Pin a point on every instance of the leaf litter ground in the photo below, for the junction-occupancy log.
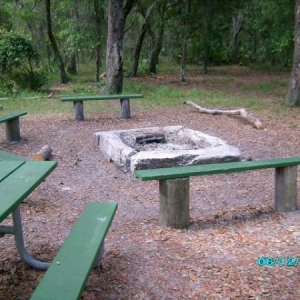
(233, 222)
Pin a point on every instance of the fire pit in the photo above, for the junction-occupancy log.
(161, 147)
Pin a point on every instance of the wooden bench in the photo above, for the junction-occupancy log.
(12, 125)
(124, 99)
(67, 275)
(174, 185)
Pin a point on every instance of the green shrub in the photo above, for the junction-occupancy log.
(18, 63)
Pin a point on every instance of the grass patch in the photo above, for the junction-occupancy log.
(221, 89)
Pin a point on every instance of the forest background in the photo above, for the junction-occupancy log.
(43, 41)
(220, 54)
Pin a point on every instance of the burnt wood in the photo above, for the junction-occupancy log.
(151, 138)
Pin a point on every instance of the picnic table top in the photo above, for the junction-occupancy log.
(18, 179)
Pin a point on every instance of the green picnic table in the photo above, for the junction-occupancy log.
(83, 249)
(17, 180)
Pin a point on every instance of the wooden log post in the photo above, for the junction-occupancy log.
(174, 202)
(78, 109)
(13, 130)
(125, 108)
(286, 189)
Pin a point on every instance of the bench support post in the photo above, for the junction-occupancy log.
(13, 130)
(125, 108)
(174, 202)
(78, 109)
(286, 189)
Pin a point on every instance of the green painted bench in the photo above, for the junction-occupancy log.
(124, 99)
(174, 185)
(9, 156)
(12, 125)
(67, 275)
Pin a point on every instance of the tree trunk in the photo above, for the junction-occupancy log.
(98, 63)
(127, 8)
(72, 61)
(183, 59)
(140, 40)
(157, 45)
(114, 56)
(293, 95)
(63, 74)
(185, 40)
(137, 50)
(206, 56)
(237, 26)
(72, 65)
(99, 14)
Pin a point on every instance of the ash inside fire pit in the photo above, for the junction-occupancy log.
(166, 139)
(151, 138)
(160, 147)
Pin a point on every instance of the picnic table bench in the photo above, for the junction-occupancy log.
(82, 250)
(174, 185)
(124, 100)
(12, 125)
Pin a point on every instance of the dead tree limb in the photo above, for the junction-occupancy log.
(241, 111)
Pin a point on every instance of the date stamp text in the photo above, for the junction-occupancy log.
(278, 261)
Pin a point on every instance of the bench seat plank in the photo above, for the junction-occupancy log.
(124, 100)
(13, 190)
(12, 116)
(101, 97)
(7, 167)
(67, 275)
(198, 170)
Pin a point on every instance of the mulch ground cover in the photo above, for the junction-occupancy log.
(233, 222)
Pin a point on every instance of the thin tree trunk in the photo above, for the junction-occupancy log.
(72, 60)
(157, 40)
(99, 17)
(293, 95)
(137, 50)
(98, 63)
(72, 64)
(237, 26)
(187, 10)
(157, 46)
(114, 56)
(183, 59)
(206, 56)
(140, 40)
(63, 74)
(127, 8)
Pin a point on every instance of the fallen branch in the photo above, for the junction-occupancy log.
(242, 112)
(43, 154)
